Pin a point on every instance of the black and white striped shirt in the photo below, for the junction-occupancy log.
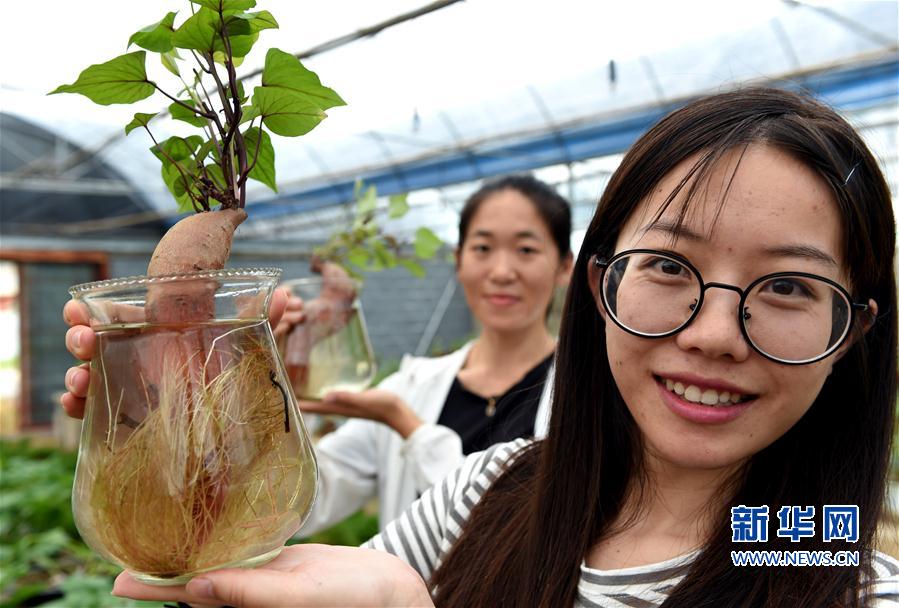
(425, 533)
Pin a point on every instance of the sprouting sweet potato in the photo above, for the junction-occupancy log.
(325, 315)
(198, 242)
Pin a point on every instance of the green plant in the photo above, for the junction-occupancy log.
(202, 171)
(365, 247)
(40, 549)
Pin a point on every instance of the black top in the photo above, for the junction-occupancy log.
(481, 422)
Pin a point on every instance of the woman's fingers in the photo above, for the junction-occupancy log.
(293, 314)
(77, 382)
(75, 313)
(78, 379)
(74, 406)
(277, 306)
(81, 342)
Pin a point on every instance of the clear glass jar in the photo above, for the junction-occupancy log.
(330, 350)
(193, 454)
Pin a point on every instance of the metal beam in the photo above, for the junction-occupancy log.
(66, 185)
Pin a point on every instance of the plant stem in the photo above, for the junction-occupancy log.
(181, 103)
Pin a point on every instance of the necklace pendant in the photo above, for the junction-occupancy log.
(491, 407)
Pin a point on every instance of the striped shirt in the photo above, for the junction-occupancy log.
(426, 532)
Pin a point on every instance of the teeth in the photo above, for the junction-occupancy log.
(708, 396)
(693, 394)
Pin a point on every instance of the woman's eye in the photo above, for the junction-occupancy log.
(788, 287)
(480, 248)
(527, 250)
(668, 267)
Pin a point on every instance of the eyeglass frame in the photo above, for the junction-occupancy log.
(604, 264)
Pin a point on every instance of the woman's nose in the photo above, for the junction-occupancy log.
(503, 267)
(715, 331)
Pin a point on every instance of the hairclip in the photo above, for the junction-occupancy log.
(851, 171)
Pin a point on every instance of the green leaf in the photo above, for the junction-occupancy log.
(249, 113)
(263, 20)
(240, 92)
(120, 80)
(198, 32)
(176, 184)
(385, 257)
(368, 202)
(177, 148)
(179, 112)
(219, 57)
(240, 47)
(359, 257)
(156, 37)
(141, 119)
(216, 175)
(426, 243)
(264, 169)
(413, 267)
(204, 150)
(398, 206)
(168, 61)
(226, 5)
(285, 71)
(285, 113)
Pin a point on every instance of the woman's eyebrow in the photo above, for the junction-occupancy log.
(673, 229)
(523, 234)
(807, 252)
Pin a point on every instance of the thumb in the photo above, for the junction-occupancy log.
(344, 397)
(242, 588)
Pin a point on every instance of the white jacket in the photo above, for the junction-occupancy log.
(363, 458)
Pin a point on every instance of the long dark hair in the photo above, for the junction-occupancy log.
(526, 538)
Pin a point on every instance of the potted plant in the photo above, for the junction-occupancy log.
(193, 455)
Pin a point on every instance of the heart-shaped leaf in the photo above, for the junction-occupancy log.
(426, 243)
(120, 80)
(141, 119)
(398, 206)
(156, 37)
(168, 61)
(285, 71)
(179, 112)
(264, 169)
(221, 6)
(286, 113)
(198, 32)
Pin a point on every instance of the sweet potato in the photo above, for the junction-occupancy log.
(196, 243)
(325, 315)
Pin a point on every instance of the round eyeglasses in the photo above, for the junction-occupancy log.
(788, 317)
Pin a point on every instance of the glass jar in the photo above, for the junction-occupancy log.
(193, 454)
(330, 350)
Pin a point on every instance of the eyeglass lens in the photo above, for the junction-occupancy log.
(791, 318)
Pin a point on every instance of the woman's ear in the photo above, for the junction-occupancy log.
(865, 322)
(593, 273)
(565, 266)
(457, 257)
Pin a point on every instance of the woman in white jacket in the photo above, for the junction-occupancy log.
(421, 421)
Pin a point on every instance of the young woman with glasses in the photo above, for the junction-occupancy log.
(728, 347)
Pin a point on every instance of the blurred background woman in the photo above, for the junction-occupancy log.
(421, 421)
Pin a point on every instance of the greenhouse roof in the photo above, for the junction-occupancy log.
(406, 130)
